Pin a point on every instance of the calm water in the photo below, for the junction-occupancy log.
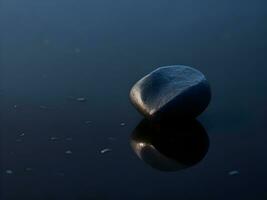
(55, 51)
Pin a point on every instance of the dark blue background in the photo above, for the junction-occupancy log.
(53, 51)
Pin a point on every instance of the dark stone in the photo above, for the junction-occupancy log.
(172, 91)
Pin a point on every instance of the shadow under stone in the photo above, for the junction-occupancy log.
(170, 146)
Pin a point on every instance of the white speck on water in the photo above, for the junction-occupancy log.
(22, 134)
(122, 124)
(81, 99)
(9, 171)
(68, 152)
(106, 150)
(53, 138)
(233, 172)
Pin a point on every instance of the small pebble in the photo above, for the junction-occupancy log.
(54, 138)
(81, 99)
(8, 171)
(234, 172)
(22, 134)
(171, 92)
(103, 151)
(68, 152)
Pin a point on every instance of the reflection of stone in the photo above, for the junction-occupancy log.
(170, 146)
(171, 91)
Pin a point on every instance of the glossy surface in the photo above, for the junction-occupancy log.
(53, 53)
(170, 145)
(175, 91)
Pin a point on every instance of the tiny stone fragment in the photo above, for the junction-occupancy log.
(9, 171)
(22, 134)
(53, 138)
(68, 152)
(106, 150)
(234, 172)
(81, 99)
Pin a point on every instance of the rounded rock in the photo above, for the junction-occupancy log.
(171, 91)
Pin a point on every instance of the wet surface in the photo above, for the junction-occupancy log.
(170, 145)
(66, 122)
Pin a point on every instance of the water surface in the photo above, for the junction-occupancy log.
(53, 52)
